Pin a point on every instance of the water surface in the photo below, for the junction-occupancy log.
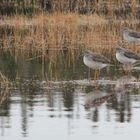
(62, 104)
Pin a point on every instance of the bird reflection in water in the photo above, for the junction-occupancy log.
(98, 97)
(123, 89)
(123, 85)
(118, 99)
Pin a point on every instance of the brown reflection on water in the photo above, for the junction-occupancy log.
(117, 99)
(68, 96)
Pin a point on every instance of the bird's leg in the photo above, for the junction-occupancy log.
(125, 68)
(89, 74)
(130, 69)
(98, 73)
(95, 75)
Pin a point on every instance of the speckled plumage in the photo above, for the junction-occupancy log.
(131, 36)
(126, 56)
(94, 60)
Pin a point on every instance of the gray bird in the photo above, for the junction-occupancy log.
(127, 57)
(95, 61)
(131, 36)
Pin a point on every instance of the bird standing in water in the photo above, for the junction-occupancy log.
(95, 61)
(127, 58)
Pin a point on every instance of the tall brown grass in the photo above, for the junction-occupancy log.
(55, 32)
(51, 33)
(65, 6)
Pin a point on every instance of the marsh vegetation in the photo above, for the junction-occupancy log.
(43, 78)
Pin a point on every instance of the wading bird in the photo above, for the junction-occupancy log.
(95, 61)
(127, 58)
(131, 36)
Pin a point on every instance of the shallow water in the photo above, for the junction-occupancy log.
(63, 104)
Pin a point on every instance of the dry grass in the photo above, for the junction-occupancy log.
(53, 32)
(50, 33)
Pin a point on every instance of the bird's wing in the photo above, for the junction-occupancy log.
(134, 34)
(131, 55)
(100, 58)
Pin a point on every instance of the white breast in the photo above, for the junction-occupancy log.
(131, 39)
(125, 60)
(92, 64)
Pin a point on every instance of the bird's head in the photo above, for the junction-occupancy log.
(125, 30)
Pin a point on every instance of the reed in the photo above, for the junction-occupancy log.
(55, 32)
(104, 7)
(46, 33)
